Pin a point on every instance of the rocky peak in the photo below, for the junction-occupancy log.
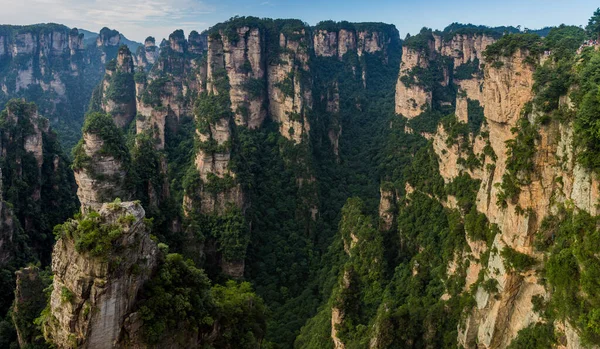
(118, 88)
(463, 48)
(108, 37)
(150, 42)
(198, 43)
(411, 97)
(101, 163)
(75, 41)
(96, 281)
(19, 112)
(124, 60)
(240, 52)
(30, 300)
(177, 41)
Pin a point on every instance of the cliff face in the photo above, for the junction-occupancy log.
(338, 42)
(101, 163)
(118, 89)
(241, 55)
(93, 289)
(505, 90)
(289, 82)
(48, 64)
(412, 98)
(35, 174)
(9, 230)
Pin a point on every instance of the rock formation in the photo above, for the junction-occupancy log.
(30, 300)
(101, 163)
(147, 54)
(289, 83)
(411, 97)
(95, 286)
(118, 89)
(50, 65)
(242, 57)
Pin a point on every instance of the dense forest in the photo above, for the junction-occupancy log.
(270, 184)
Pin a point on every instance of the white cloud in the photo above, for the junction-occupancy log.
(136, 19)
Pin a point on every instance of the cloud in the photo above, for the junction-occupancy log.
(134, 18)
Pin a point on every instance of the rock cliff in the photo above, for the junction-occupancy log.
(505, 90)
(289, 86)
(101, 163)
(241, 55)
(118, 89)
(96, 281)
(50, 65)
(412, 98)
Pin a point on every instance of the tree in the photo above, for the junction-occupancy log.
(593, 27)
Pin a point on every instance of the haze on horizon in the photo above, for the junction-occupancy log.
(137, 19)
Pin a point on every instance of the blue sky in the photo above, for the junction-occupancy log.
(140, 18)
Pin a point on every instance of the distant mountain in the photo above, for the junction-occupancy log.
(89, 37)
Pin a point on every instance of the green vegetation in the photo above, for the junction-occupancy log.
(179, 299)
(23, 176)
(508, 45)
(475, 116)
(468, 70)
(464, 188)
(419, 42)
(102, 126)
(520, 164)
(153, 92)
(593, 26)
(516, 261)
(93, 234)
(455, 29)
(588, 106)
(570, 240)
(536, 336)
(240, 316)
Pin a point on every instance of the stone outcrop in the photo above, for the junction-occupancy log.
(118, 89)
(242, 56)
(463, 48)
(93, 295)
(338, 42)
(9, 230)
(147, 54)
(387, 205)
(289, 87)
(411, 99)
(30, 300)
(103, 176)
(503, 90)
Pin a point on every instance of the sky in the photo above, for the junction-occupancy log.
(137, 19)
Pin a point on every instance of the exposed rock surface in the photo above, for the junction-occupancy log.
(92, 296)
(411, 100)
(102, 179)
(290, 96)
(118, 97)
(387, 205)
(30, 300)
(504, 90)
(243, 58)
